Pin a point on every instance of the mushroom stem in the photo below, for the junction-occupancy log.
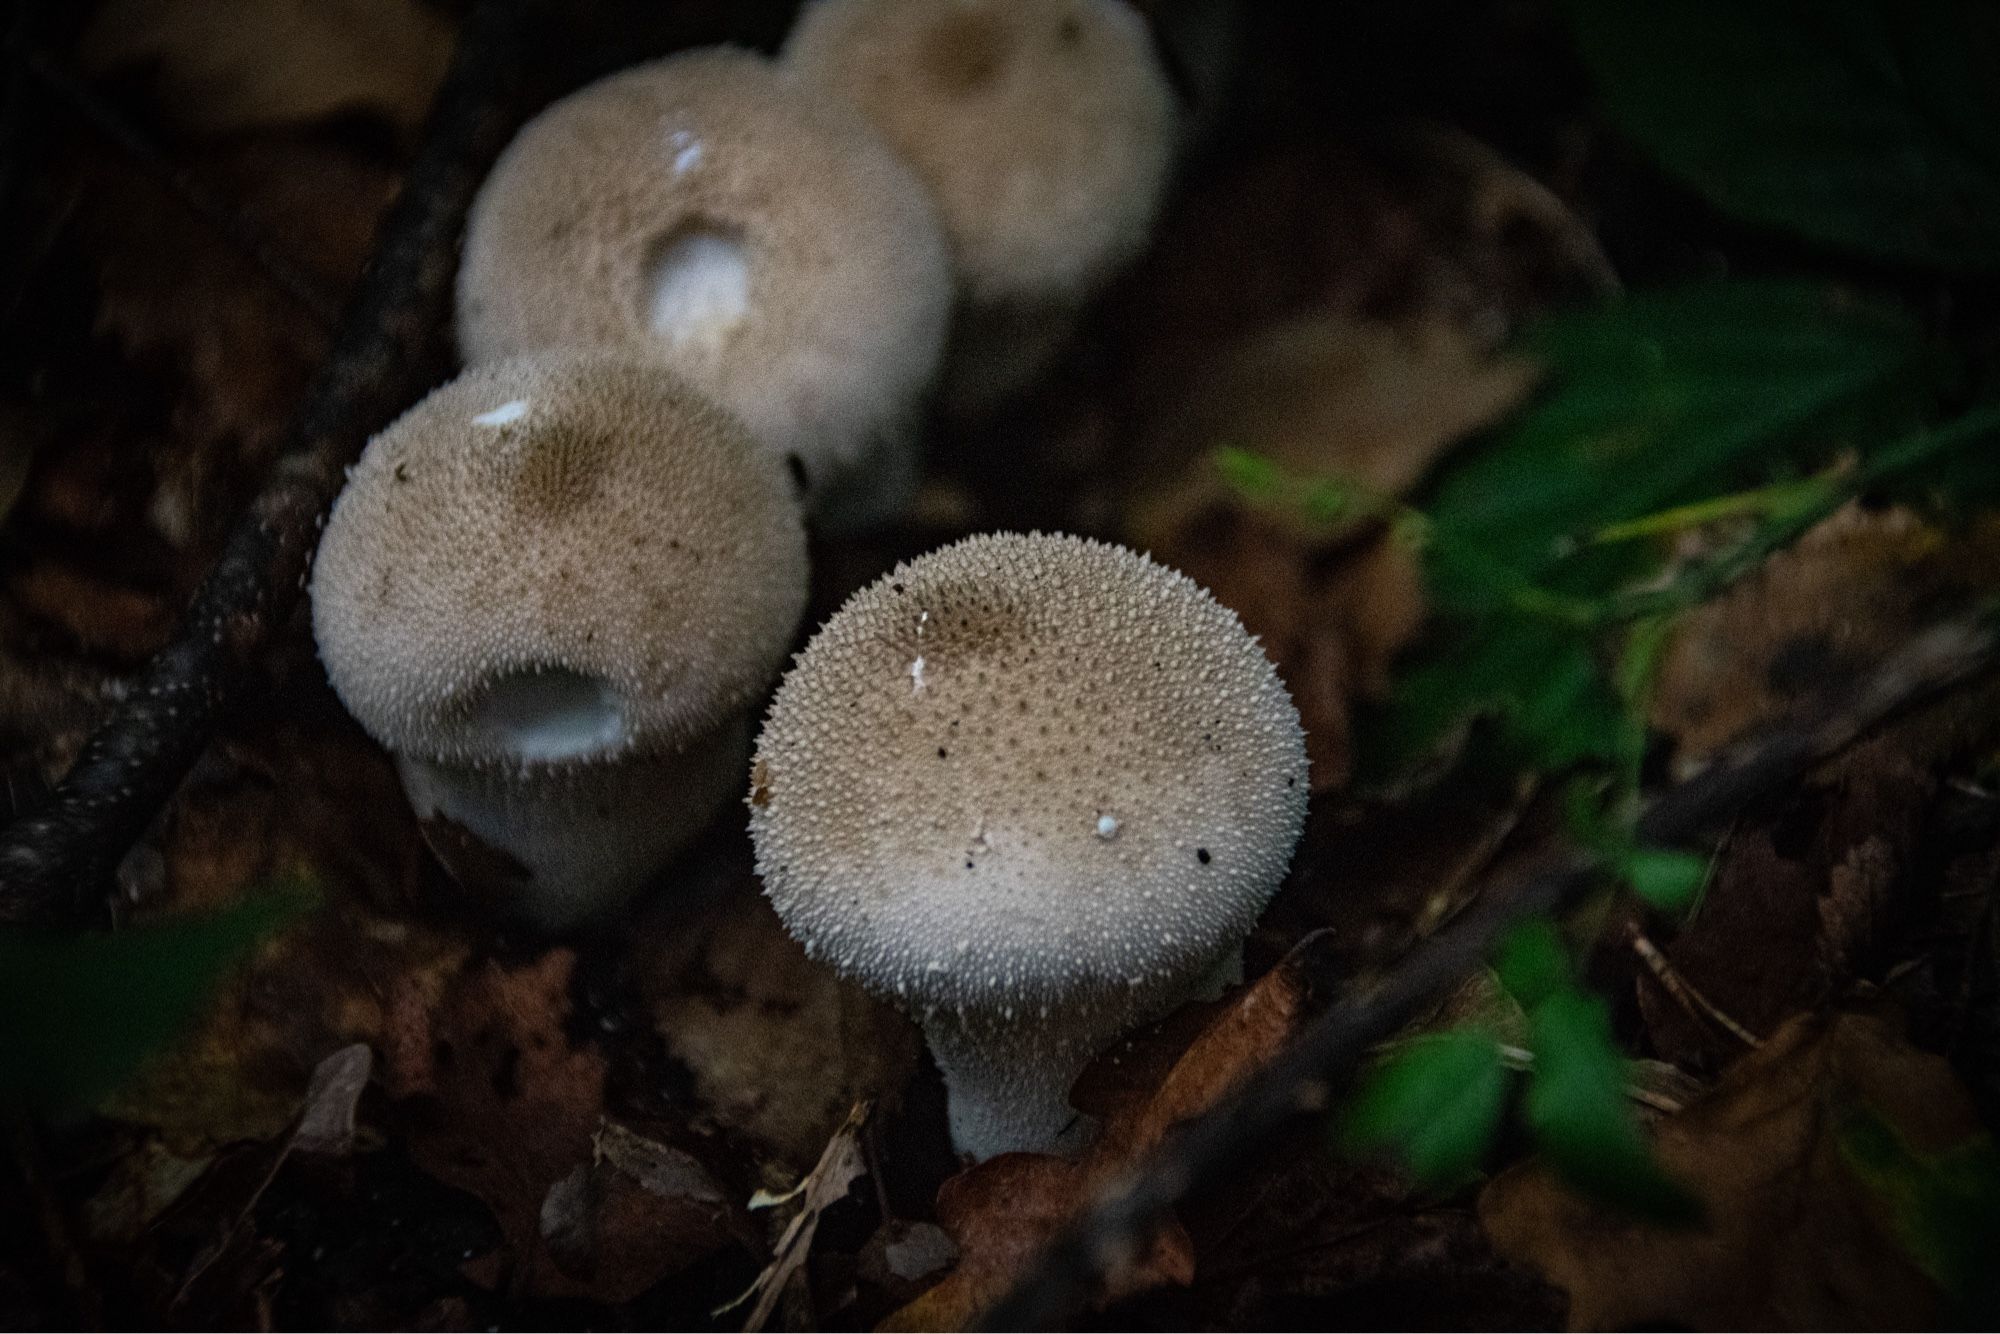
(558, 844)
(1008, 1084)
(1009, 1079)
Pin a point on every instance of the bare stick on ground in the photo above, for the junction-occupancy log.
(1304, 1079)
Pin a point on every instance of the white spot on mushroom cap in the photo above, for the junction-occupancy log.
(505, 415)
(688, 151)
(1107, 826)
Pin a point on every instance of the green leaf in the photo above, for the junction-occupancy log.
(1666, 879)
(1436, 1102)
(1946, 1209)
(1658, 400)
(1540, 681)
(80, 1011)
(1577, 1109)
(1532, 962)
(1870, 125)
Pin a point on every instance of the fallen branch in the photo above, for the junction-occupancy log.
(1305, 1079)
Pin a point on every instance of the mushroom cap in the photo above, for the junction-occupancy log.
(754, 235)
(1027, 771)
(557, 561)
(1045, 129)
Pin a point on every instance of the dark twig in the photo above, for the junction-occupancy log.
(389, 350)
(1304, 1079)
(241, 232)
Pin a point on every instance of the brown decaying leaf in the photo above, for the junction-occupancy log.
(639, 1212)
(780, 1048)
(1002, 1211)
(1809, 621)
(1804, 893)
(839, 1167)
(255, 63)
(495, 1029)
(494, 1098)
(1792, 1240)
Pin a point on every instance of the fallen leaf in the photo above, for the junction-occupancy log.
(839, 1167)
(1809, 622)
(255, 63)
(640, 1212)
(493, 1096)
(780, 1048)
(1003, 1211)
(1792, 1238)
(333, 1096)
(143, 1182)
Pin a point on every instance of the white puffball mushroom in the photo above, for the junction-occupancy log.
(555, 589)
(1036, 789)
(756, 237)
(1046, 130)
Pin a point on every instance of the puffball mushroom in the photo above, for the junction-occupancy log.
(554, 589)
(1046, 130)
(754, 236)
(1036, 789)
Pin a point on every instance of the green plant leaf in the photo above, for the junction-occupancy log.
(1435, 1102)
(80, 1011)
(1577, 1109)
(1658, 400)
(1946, 1209)
(1540, 681)
(1532, 963)
(1666, 879)
(1870, 125)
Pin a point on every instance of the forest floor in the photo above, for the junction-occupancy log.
(399, 1114)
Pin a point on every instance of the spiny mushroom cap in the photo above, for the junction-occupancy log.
(756, 236)
(557, 560)
(1044, 128)
(1024, 771)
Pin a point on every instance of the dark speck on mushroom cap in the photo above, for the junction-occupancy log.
(586, 520)
(977, 789)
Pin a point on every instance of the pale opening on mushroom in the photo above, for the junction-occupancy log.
(697, 284)
(552, 715)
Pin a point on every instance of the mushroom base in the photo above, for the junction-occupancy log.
(1008, 1080)
(556, 846)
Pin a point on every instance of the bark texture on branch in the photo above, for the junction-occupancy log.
(1304, 1080)
(392, 346)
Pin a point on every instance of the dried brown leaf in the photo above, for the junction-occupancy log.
(1792, 1239)
(640, 1212)
(839, 1167)
(780, 1048)
(1003, 1211)
(493, 1096)
(255, 63)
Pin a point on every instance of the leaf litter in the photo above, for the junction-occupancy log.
(472, 1128)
